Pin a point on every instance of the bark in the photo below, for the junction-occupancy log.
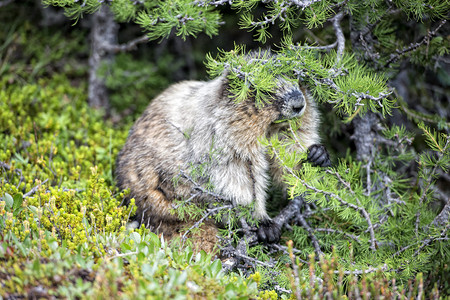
(444, 217)
(364, 135)
(103, 34)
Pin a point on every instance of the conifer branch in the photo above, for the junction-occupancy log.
(412, 47)
(430, 178)
(215, 3)
(361, 210)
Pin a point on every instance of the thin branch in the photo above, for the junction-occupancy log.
(210, 212)
(215, 3)
(384, 268)
(131, 45)
(340, 38)
(412, 47)
(326, 47)
(285, 251)
(330, 230)
(424, 242)
(34, 189)
(310, 231)
(200, 188)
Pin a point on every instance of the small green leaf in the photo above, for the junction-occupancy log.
(8, 200)
(18, 200)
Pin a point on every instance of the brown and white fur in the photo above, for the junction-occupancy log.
(185, 124)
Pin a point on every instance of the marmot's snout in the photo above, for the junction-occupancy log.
(294, 105)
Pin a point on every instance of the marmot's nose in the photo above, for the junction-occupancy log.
(297, 107)
(296, 101)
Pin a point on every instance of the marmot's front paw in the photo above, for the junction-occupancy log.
(268, 232)
(318, 155)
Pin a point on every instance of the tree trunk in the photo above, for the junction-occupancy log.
(103, 34)
(364, 135)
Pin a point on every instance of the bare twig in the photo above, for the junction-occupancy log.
(131, 45)
(209, 212)
(425, 242)
(200, 188)
(285, 251)
(34, 189)
(310, 231)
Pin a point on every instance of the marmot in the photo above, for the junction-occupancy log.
(192, 119)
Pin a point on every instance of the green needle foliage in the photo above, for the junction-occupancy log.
(349, 86)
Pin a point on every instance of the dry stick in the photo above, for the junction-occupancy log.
(34, 189)
(131, 45)
(310, 231)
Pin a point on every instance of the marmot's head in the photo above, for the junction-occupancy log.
(287, 101)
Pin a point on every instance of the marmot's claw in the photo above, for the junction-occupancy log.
(268, 232)
(318, 155)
